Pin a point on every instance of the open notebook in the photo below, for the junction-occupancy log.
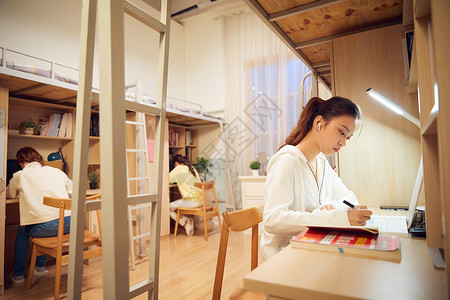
(395, 225)
(392, 225)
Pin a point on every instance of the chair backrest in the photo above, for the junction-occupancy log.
(207, 186)
(237, 221)
(66, 204)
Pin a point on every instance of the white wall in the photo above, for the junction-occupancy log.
(205, 61)
(50, 29)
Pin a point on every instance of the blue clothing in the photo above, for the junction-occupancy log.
(24, 233)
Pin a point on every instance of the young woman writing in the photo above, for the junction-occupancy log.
(31, 184)
(301, 187)
(185, 175)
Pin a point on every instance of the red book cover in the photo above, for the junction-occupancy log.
(358, 242)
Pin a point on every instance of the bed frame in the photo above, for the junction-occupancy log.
(30, 77)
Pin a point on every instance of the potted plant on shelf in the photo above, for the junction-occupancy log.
(255, 166)
(201, 164)
(28, 126)
(93, 178)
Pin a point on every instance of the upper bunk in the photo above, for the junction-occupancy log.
(307, 27)
(37, 79)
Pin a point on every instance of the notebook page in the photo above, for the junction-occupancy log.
(394, 225)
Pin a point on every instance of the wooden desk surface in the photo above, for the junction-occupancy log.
(307, 274)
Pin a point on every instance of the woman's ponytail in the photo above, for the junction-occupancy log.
(187, 163)
(304, 124)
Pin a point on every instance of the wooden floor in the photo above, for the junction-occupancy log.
(187, 270)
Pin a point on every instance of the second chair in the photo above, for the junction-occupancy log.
(55, 246)
(207, 211)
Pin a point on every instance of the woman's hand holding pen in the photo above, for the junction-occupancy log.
(359, 215)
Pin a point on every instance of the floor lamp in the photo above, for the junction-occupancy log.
(419, 178)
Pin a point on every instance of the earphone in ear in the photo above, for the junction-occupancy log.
(319, 127)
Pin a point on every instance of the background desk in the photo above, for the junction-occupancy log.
(307, 274)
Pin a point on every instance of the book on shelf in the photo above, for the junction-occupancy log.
(63, 125)
(44, 124)
(350, 240)
(189, 138)
(54, 126)
(95, 125)
(69, 126)
(173, 138)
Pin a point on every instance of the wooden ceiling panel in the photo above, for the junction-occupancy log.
(339, 18)
(327, 79)
(318, 53)
(276, 6)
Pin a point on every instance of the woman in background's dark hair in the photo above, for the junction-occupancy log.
(27, 155)
(183, 160)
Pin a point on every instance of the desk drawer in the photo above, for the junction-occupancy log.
(253, 189)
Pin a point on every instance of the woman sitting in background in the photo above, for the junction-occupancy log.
(185, 176)
(31, 184)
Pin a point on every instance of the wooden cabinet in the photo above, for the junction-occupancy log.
(183, 140)
(431, 43)
(252, 189)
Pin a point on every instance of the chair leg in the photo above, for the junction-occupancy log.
(32, 264)
(218, 218)
(206, 228)
(176, 224)
(57, 276)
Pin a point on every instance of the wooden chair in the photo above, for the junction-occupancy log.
(238, 221)
(207, 211)
(56, 245)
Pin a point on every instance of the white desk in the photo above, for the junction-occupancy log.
(307, 274)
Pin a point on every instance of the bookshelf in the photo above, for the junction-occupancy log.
(183, 140)
(19, 110)
(431, 46)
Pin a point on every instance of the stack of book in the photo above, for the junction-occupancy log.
(56, 125)
(352, 240)
(173, 137)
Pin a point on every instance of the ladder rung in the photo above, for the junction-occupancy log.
(138, 178)
(139, 107)
(143, 17)
(145, 198)
(136, 237)
(143, 205)
(141, 287)
(136, 150)
(91, 205)
(134, 123)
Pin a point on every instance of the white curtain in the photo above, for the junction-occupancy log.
(263, 93)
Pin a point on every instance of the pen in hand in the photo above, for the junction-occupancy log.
(350, 204)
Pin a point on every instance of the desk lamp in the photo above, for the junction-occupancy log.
(419, 178)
